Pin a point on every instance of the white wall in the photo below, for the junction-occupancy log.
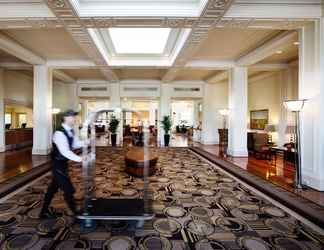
(265, 93)
(18, 88)
(215, 98)
(65, 96)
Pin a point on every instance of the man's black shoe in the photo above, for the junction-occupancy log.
(47, 214)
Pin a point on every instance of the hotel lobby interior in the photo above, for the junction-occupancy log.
(199, 124)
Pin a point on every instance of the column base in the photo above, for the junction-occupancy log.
(37, 151)
(313, 182)
(237, 153)
(209, 142)
(2, 149)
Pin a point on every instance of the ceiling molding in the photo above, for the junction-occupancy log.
(64, 11)
(12, 47)
(111, 22)
(210, 64)
(269, 67)
(70, 64)
(213, 12)
(16, 66)
(292, 9)
(219, 77)
(267, 49)
(62, 76)
(260, 76)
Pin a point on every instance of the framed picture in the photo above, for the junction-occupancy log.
(259, 119)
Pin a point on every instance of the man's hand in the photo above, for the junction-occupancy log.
(85, 158)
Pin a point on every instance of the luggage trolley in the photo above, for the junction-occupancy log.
(109, 209)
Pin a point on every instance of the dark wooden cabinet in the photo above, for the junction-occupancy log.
(18, 138)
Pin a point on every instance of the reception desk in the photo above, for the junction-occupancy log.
(18, 138)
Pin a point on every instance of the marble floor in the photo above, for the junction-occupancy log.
(196, 205)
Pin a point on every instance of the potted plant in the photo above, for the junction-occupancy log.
(113, 125)
(166, 125)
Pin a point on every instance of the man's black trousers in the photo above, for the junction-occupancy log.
(60, 180)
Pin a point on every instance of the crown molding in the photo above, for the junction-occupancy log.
(64, 11)
(213, 12)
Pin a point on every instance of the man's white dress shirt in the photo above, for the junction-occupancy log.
(62, 143)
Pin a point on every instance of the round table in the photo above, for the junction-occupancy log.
(135, 161)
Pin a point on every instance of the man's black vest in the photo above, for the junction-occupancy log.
(56, 155)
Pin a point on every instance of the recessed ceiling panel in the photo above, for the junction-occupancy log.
(140, 8)
(139, 46)
(49, 44)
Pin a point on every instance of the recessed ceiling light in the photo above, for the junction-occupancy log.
(279, 52)
(296, 43)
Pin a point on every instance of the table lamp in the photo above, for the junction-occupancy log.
(270, 128)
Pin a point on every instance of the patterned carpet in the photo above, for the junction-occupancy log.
(196, 207)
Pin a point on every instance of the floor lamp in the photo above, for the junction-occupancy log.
(296, 106)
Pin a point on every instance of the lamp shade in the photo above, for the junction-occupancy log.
(55, 111)
(270, 128)
(294, 105)
(290, 129)
(224, 112)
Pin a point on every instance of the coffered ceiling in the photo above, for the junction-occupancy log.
(219, 32)
(49, 44)
(230, 43)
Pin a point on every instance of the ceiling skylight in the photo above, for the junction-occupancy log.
(139, 46)
(139, 40)
(139, 8)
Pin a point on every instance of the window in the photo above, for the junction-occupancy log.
(22, 119)
(8, 118)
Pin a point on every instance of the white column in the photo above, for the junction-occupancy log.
(238, 106)
(288, 85)
(152, 111)
(42, 111)
(115, 103)
(115, 95)
(2, 113)
(311, 87)
(283, 95)
(215, 98)
(165, 109)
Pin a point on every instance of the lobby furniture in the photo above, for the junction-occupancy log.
(18, 138)
(100, 129)
(288, 154)
(259, 146)
(135, 161)
(223, 140)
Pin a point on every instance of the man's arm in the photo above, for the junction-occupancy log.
(62, 144)
(77, 143)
